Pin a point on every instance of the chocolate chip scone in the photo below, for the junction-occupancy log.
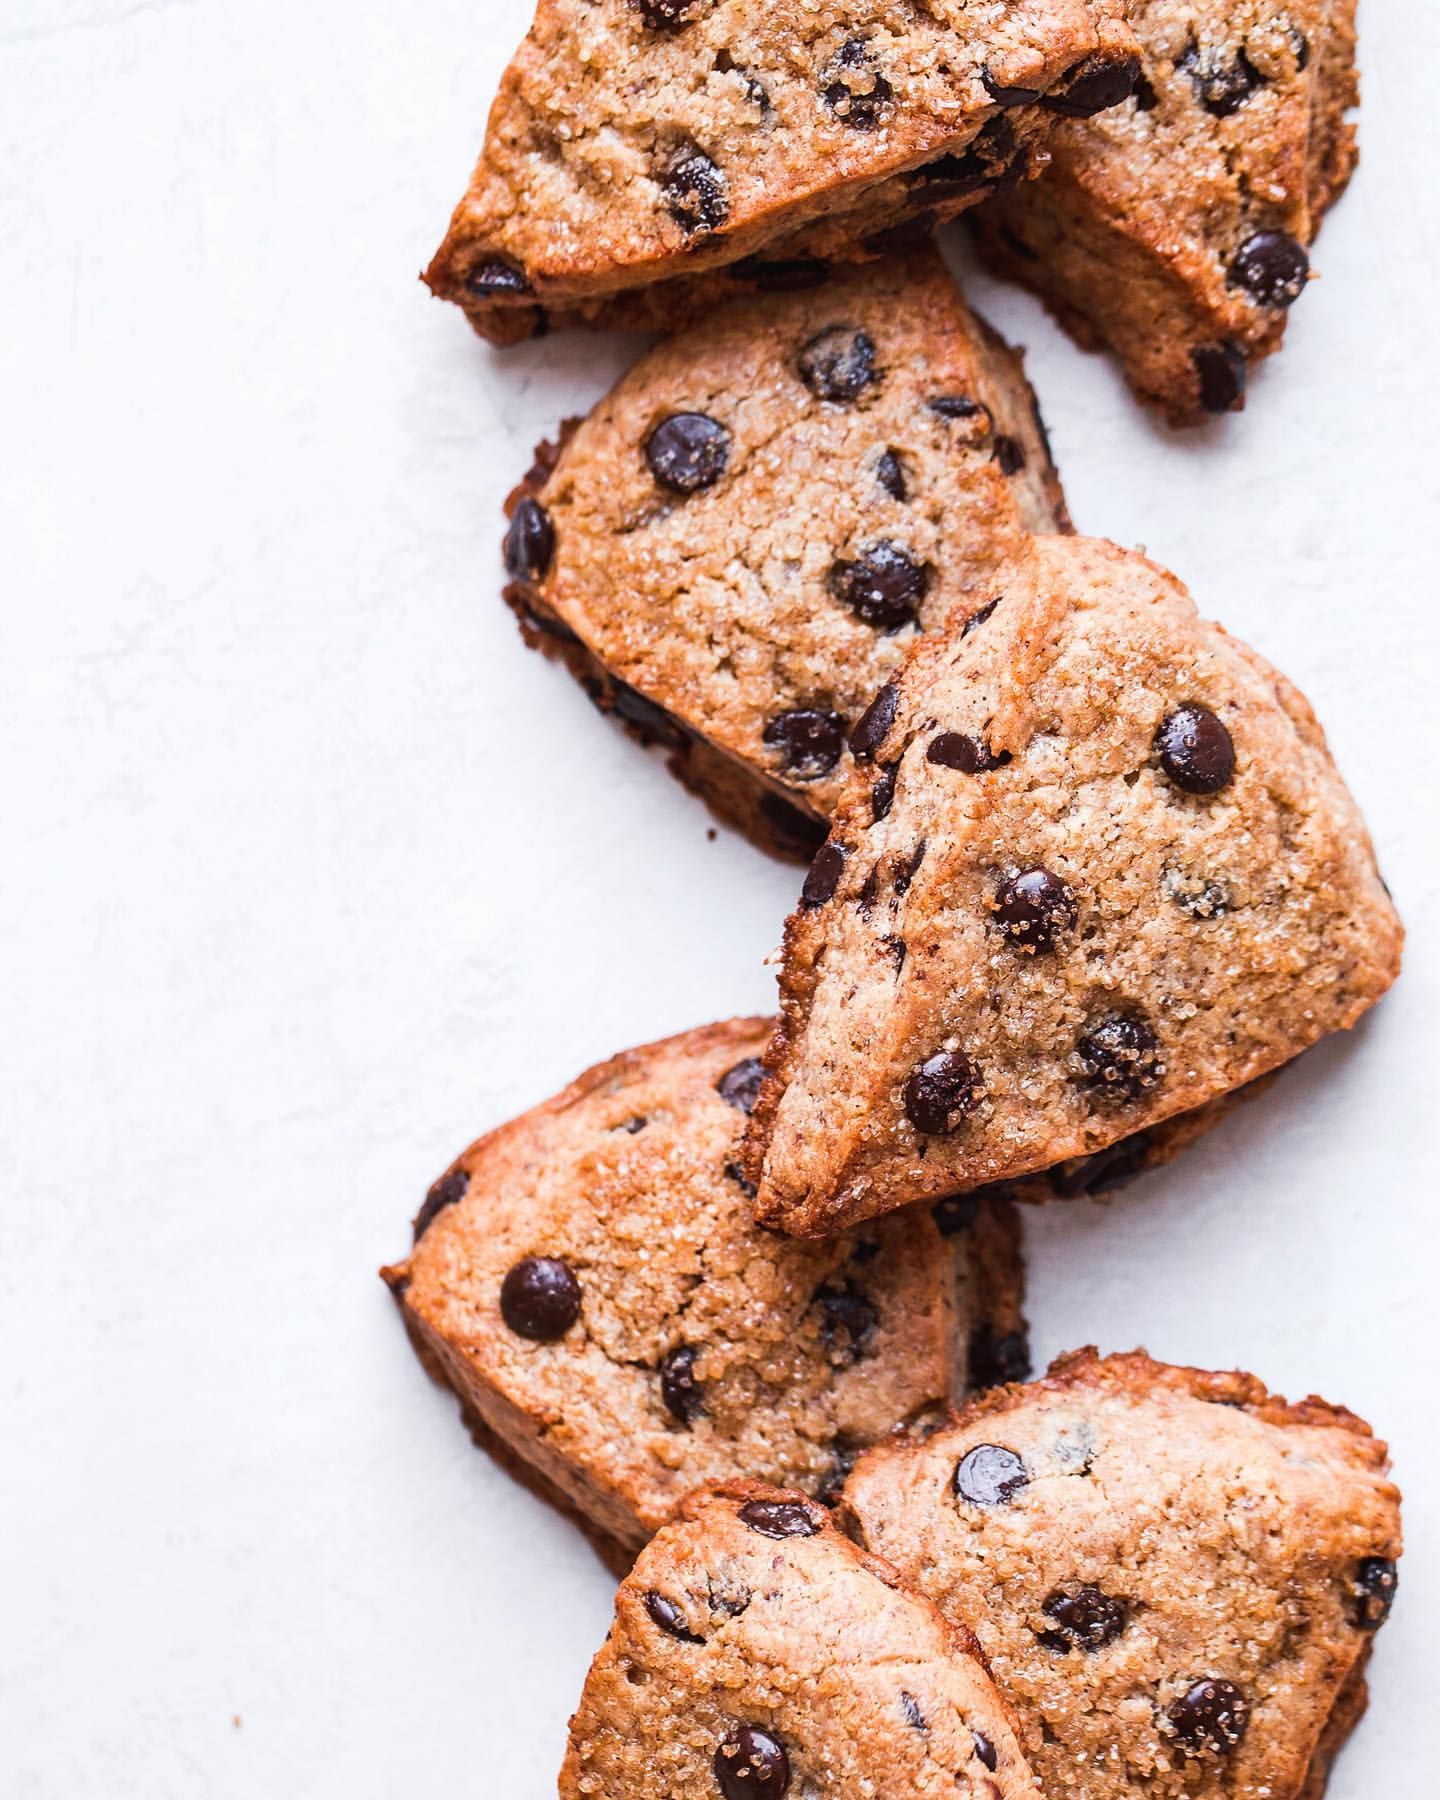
(591, 1282)
(742, 541)
(757, 1653)
(1102, 871)
(636, 140)
(1175, 1576)
(1175, 228)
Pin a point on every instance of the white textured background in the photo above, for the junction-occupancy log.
(308, 873)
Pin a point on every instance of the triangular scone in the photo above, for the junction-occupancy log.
(1103, 871)
(756, 1653)
(591, 1282)
(1176, 227)
(741, 542)
(1175, 1576)
(633, 140)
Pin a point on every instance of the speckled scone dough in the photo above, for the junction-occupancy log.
(589, 1279)
(756, 1653)
(1102, 871)
(634, 140)
(742, 541)
(1175, 227)
(1175, 1576)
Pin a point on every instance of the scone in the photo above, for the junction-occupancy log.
(590, 1281)
(637, 140)
(1102, 872)
(1175, 1576)
(757, 1653)
(742, 541)
(1175, 228)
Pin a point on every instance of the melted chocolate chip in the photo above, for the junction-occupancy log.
(1008, 96)
(1008, 455)
(687, 452)
(1085, 1620)
(857, 96)
(1211, 1716)
(873, 725)
(694, 193)
(540, 1299)
(1221, 370)
(970, 755)
(793, 827)
(910, 1711)
(883, 586)
(838, 363)
(890, 473)
(783, 275)
(739, 1086)
(1373, 1592)
(530, 542)
(449, 1189)
(1093, 86)
(882, 795)
(1222, 85)
(779, 1518)
(1120, 1056)
(941, 1091)
(961, 406)
(668, 1616)
(1105, 1171)
(906, 871)
(495, 277)
(984, 1750)
(990, 1475)
(997, 1358)
(1195, 750)
(683, 1395)
(847, 1321)
(955, 1213)
(952, 177)
(650, 720)
(809, 741)
(1032, 907)
(1272, 267)
(824, 876)
(979, 618)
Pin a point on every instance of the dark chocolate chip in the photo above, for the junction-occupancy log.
(1094, 85)
(695, 194)
(941, 1091)
(733, 1172)
(1211, 1716)
(1032, 907)
(997, 1358)
(633, 1125)
(1197, 899)
(449, 1189)
(1105, 1170)
(979, 618)
(663, 15)
(1195, 749)
(1373, 1592)
(755, 89)
(843, 1457)
(1008, 96)
(1146, 99)
(953, 177)
(890, 473)
(984, 1750)
(960, 406)
(530, 542)
(779, 1518)
(752, 1765)
(847, 1321)
(739, 1086)
(955, 1213)
(1221, 370)
(990, 1475)
(668, 1616)
(908, 234)
(1085, 1620)
(783, 275)
(838, 363)
(545, 623)
(854, 92)
(683, 1395)
(687, 452)
(1009, 455)
(809, 741)
(796, 829)
(1120, 1056)
(1272, 267)
(883, 586)
(882, 795)
(970, 755)
(1221, 86)
(540, 1298)
(824, 876)
(906, 871)
(873, 725)
(649, 719)
(497, 277)
(911, 1712)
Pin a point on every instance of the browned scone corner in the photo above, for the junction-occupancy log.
(756, 1652)
(1100, 872)
(1175, 228)
(743, 540)
(590, 1280)
(1175, 1576)
(633, 141)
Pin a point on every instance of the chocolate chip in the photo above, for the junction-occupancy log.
(898, 948)
(779, 1518)
(906, 871)
(1195, 749)
(809, 741)
(540, 1299)
(739, 1086)
(632, 1126)
(853, 91)
(873, 725)
(970, 755)
(843, 1457)
(449, 1189)
(984, 1749)
(650, 720)
(1009, 455)
(796, 829)
(1104, 1171)
(664, 14)
(890, 473)
(687, 452)
(997, 1358)
(1032, 907)
(1222, 87)
(911, 1712)
(752, 1765)
(847, 1321)
(733, 1172)
(755, 89)
(952, 177)
(783, 275)
(543, 622)
(1196, 898)
(668, 1616)
(694, 193)
(838, 363)
(1221, 370)
(883, 586)
(530, 542)
(1092, 86)
(882, 795)
(990, 1475)
(1373, 1592)
(979, 618)
(960, 406)
(1146, 99)
(909, 234)
(955, 1213)
(1085, 1620)
(941, 1091)
(1008, 96)
(1272, 267)
(1120, 1056)
(824, 876)
(1211, 1716)
(683, 1395)
(497, 277)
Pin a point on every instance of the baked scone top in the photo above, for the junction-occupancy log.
(757, 1654)
(1175, 1576)
(1102, 871)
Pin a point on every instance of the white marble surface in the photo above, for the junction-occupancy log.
(310, 872)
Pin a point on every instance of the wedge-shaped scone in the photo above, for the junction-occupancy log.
(590, 1281)
(756, 1653)
(742, 541)
(1175, 228)
(1103, 871)
(1176, 1577)
(635, 140)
